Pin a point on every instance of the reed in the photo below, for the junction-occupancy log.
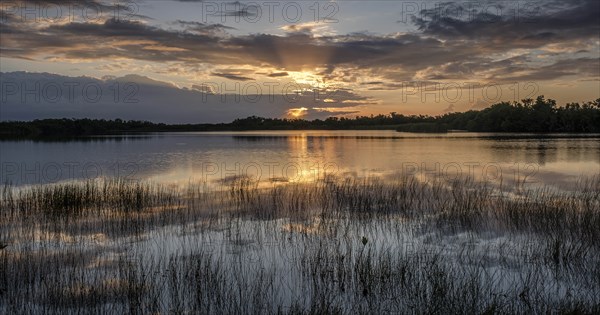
(339, 246)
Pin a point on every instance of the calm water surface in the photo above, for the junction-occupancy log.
(284, 249)
(291, 156)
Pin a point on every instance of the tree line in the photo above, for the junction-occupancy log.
(538, 116)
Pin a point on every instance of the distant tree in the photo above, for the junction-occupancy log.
(539, 115)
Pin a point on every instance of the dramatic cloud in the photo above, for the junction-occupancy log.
(232, 76)
(481, 41)
(27, 96)
(515, 24)
(203, 28)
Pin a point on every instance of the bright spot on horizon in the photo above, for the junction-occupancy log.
(297, 112)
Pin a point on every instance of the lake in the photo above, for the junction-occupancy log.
(298, 222)
(292, 156)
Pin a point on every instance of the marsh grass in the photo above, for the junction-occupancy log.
(339, 246)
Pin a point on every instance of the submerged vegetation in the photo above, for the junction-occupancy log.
(343, 246)
(529, 115)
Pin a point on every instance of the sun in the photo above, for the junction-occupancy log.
(306, 77)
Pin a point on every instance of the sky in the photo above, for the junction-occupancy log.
(211, 61)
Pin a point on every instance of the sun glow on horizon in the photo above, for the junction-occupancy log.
(297, 112)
